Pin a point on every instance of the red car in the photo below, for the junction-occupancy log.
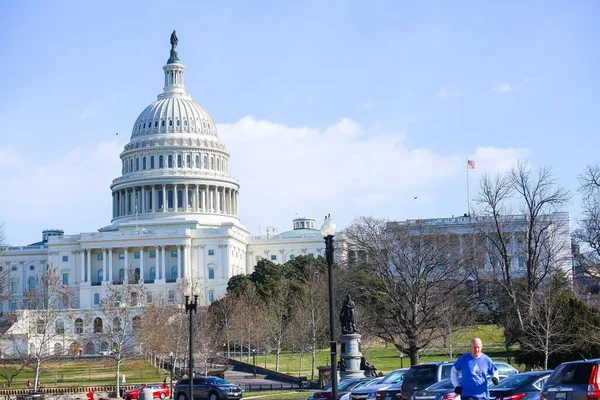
(157, 391)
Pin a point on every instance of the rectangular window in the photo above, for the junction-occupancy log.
(121, 256)
(152, 254)
(13, 287)
(65, 278)
(96, 298)
(100, 257)
(65, 258)
(136, 256)
(174, 254)
(211, 273)
(521, 261)
(211, 252)
(211, 296)
(273, 257)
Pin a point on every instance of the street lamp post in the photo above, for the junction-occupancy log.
(171, 381)
(191, 305)
(328, 232)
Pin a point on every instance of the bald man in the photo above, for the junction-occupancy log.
(475, 367)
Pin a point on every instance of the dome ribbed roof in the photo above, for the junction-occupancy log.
(174, 115)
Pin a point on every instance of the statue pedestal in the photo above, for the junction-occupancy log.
(351, 355)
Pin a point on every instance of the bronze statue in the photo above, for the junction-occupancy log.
(174, 39)
(347, 318)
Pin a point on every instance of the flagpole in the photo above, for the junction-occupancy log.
(468, 200)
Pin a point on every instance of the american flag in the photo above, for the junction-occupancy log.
(471, 164)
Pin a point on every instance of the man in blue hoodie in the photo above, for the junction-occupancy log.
(474, 368)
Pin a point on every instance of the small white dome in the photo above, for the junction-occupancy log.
(174, 115)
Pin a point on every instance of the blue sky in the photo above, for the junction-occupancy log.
(343, 107)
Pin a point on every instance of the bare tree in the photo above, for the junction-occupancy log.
(46, 312)
(548, 328)
(409, 271)
(221, 313)
(588, 234)
(121, 307)
(522, 249)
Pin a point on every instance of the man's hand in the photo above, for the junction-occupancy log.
(458, 390)
(495, 380)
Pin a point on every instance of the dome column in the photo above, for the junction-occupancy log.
(185, 199)
(153, 198)
(164, 198)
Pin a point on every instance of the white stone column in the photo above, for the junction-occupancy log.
(162, 270)
(110, 266)
(82, 266)
(157, 262)
(179, 272)
(197, 198)
(204, 189)
(142, 264)
(165, 198)
(143, 210)
(89, 264)
(125, 263)
(104, 271)
(224, 266)
(187, 258)
(153, 199)
(185, 198)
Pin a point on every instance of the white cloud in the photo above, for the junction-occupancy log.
(498, 160)
(449, 91)
(341, 169)
(503, 88)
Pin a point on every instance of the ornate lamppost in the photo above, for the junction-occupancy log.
(191, 305)
(328, 232)
(171, 381)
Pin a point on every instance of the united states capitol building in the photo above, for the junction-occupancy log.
(174, 218)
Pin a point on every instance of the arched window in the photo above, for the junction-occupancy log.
(174, 272)
(136, 323)
(185, 123)
(79, 326)
(144, 163)
(90, 348)
(188, 161)
(170, 199)
(197, 161)
(179, 198)
(59, 327)
(100, 275)
(292, 257)
(162, 123)
(161, 162)
(104, 346)
(116, 324)
(178, 123)
(98, 325)
(151, 162)
(170, 122)
(160, 200)
(31, 283)
(212, 163)
(205, 163)
(152, 274)
(170, 161)
(179, 162)
(131, 165)
(137, 164)
(155, 124)
(122, 274)
(189, 198)
(74, 348)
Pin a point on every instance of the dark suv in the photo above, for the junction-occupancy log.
(423, 375)
(207, 387)
(573, 380)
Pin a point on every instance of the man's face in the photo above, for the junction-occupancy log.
(476, 347)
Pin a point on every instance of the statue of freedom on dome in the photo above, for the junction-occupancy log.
(174, 39)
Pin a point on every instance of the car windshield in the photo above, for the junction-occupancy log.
(423, 374)
(216, 381)
(574, 374)
(513, 381)
(343, 385)
(139, 387)
(442, 385)
(393, 377)
(369, 383)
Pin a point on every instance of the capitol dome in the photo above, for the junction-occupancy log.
(174, 165)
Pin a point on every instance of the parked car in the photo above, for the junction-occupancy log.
(443, 390)
(158, 390)
(372, 381)
(369, 392)
(344, 386)
(207, 387)
(573, 380)
(523, 386)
